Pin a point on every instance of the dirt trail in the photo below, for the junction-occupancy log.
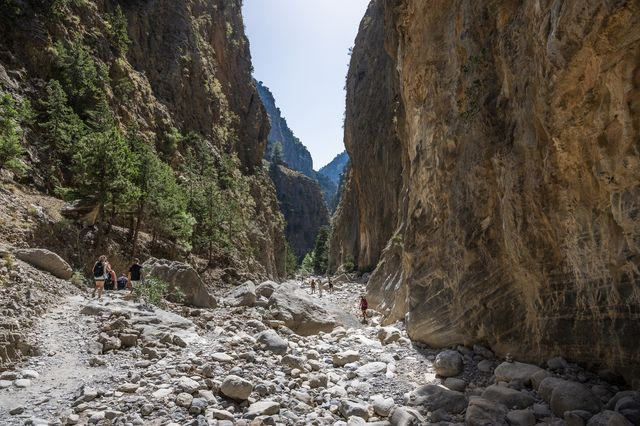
(61, 364)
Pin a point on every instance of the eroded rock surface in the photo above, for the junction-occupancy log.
(508, 163)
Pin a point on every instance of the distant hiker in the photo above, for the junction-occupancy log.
(320, 288)
(313, 286)
(135, 274)
(123, 281)
(330, 286)
(364, 305)
(99, 275)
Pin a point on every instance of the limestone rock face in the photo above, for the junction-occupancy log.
(303, 208)
(507, 194)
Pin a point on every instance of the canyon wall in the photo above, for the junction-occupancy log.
(178, 72)
(302, 204)
(516, 216)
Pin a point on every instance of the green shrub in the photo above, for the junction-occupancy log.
(12, 116)
(156, 292)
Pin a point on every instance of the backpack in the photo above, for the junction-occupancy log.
(98, 270)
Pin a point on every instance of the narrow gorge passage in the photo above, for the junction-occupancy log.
(444, 231)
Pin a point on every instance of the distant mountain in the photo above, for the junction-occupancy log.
(294, 153)
(334, 169)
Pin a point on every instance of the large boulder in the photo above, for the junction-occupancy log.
(46, 260)
(271, 341)
(243, 295)
(511, 398)
(434, 397)
(482, 412)
(520, 371)
(266, 289)
(235, 387)
(299, 312)
(570, 396)
(183, 277)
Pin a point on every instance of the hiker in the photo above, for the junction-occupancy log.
(123, 281)
(110, 278)
(320, 287)
(364, 305)
(99, 275)
(135, 275)
(330, 286)
(313, 286)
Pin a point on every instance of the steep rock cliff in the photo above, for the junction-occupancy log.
(185, 74)
(294, 153)
(519, 219)
(366, 215)
(333, 170)
(303, 208)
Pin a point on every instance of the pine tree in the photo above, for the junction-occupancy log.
(118, 32)
(63, 130)
(11, 134)
(321, 251)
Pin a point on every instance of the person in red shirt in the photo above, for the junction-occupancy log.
(364, 305)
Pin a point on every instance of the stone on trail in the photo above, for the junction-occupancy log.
(434, 397)
(482, 412)
(609, 418)
(188, 385)
(162, 393)
(184, 399)
(349, 407)
(510, 398)
(243, 295)
(262, 408)
(22, 383)
(236, 387)
(483, 351)
(266, 289)
(508, 371)
(521, 418)
(406, 416)
(371, 369)
(569, 396)
(45, 260)
(546, 387)
(183, 277)
(271, 341)
(128, 387)
(448, 363)
(455, 384)
(485, 366)
(340, 359)
(388, 335)
(382, 406)
(29, 374)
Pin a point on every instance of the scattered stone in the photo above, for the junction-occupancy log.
(128, 387)
(29, 374)
(483, 351)
(521, 418)
(45, 260)
(16, 410)
(481, 412)
(508, 371)
(340, 359)
(433, 397)
(262, 408)
(609, 418)
(184, 400)
(388, 335)
(22, 383)
(236, 387)
(448, 363)
(371, 369)
(511, 398)
(569, 396)
(349, 407)
(271, 341)
(455, 384)
(188, 385)
(382, 406)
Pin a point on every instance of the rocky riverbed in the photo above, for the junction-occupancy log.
(120, 361)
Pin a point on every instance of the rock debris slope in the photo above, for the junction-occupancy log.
(510, 170)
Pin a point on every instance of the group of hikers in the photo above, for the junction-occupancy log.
(319, 285)
(105, 277)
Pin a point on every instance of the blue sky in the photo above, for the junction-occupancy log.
(300, 51)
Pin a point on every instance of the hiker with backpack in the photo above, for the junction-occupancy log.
(330, 285)
(111, 277)
(123, 281)
(313, 286)
(135, 275)
(99, 275)
(364, 305)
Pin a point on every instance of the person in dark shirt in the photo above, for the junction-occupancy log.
(135, 274)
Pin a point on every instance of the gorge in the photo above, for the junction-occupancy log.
(487, 206)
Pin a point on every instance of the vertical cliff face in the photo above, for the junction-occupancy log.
(519, 222)
(176, 71)
(294, 153)
(366, 215)
(333, 170)
(303, 207)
